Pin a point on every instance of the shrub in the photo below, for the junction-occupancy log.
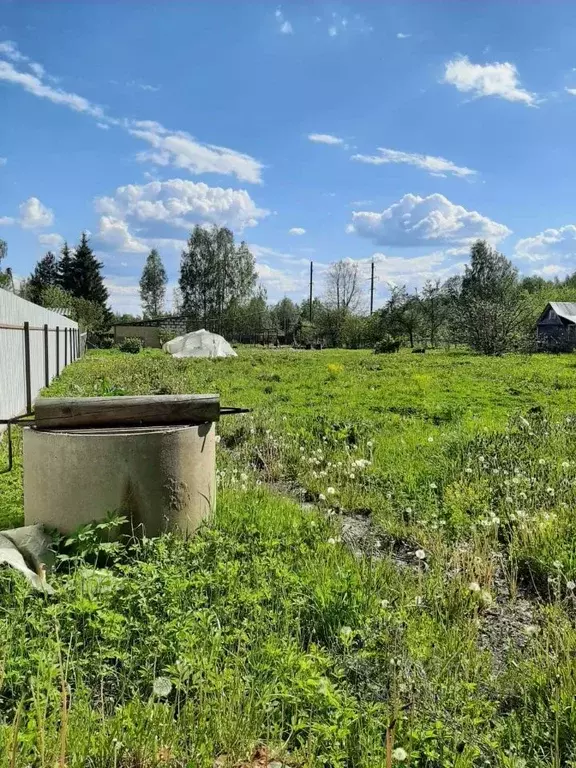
(386, 345)
(131, 344)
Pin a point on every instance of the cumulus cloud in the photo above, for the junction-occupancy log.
(433, 220)
(52, 240)
(7, 221)
(297, 231)
(571, 91)
(168, 147)
(182, 203)
(437, 166)
(124, 295)
(115, 233)
(551, 243)
(33, 214)
(496, 79)
(326, 138)
(403, 35)
(279, 280)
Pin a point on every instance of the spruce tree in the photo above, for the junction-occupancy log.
(45, 275)
(87, 279)
(66, 269)
(153, 285)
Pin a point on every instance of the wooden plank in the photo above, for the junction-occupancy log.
(153, 410)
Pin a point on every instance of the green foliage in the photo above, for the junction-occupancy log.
(81, 274)
(386, 345)
(45, 275)
(445, 629)
(89, 314)
(131, 344)
(153, 285)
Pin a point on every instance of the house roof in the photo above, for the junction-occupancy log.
(565, 309)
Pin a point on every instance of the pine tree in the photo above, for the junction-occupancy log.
(87, 280)
(153, 285)
(66, 269)
(45, 275)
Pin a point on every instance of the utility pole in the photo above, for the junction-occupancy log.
(372, 289)
(311, 276)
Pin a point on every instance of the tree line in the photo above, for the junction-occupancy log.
(490, 307)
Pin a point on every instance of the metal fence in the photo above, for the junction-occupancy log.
(36, 344)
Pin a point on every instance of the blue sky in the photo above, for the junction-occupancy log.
(393, 132)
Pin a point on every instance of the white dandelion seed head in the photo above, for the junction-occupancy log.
(420, 554)
(571, 586)
(474, 586)
(162, 686)
(330, 491)
(400, 755)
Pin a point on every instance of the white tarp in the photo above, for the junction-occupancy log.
(199, 344)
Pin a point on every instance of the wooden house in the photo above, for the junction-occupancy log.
(557, 327)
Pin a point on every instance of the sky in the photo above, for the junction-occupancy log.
(398, 133)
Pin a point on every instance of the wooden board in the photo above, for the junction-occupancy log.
(85, 412)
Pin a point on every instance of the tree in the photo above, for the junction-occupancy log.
(5, 275)
(45, 274)
(491, 314)
(285, 315)
(90, 315)
(434, 308)
(343, 289)
(66, 277)
(401, 314)
(87, 279)
(153, 285)
(214, 274)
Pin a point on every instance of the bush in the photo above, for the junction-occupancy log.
(131, 344)
(386, 345)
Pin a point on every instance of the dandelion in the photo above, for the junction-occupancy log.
(384, 603)
(352, 476)
(509, 500)
(408, 510)
(468, 470)
(474, 586)
(430, 439)
(420, 554)
(162, 687)
(346, 633)
(252, 431)
(571, 586)
(531, 630)
(218, 438)
(481, 459)
(418, 600)
(370, 443)
(322, 497)
(400, 754)
(550, 491)
(433, 486)
(541, 461)
(331, 540)
(302, 449)
(243, 477)
(330, 491)
(557, 564)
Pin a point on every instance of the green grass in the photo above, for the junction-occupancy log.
(276, 634)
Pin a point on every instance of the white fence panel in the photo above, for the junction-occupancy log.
(62, 347)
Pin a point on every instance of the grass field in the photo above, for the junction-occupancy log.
(389, 577)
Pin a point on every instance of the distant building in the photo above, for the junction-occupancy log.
(557, 327)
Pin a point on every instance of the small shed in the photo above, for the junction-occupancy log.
(557, 327)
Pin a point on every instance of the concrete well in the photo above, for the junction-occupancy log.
(161, 478)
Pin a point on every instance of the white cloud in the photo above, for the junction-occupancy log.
(265, 254)
(103, 126)
(9, 49)
(437, 166)
(284, 26)
(124, 295)
(52, 240)
(551, 243)
(497, 79)
(182, 203)
(176, 148)
(278, 279)
(143, 86)
(403, 35)
(360, 203)
(7, 221)
(181, 150)
(432, 220)
(33, 214)
(571, 91)
(115, 233)
(326, 138)
(3, 161)
(552, 270)
(34, 85)
(332, 31)
(297, 231)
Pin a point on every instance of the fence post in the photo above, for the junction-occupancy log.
(65, 346)
(57, 350)
(27, 372)
(46, 357)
